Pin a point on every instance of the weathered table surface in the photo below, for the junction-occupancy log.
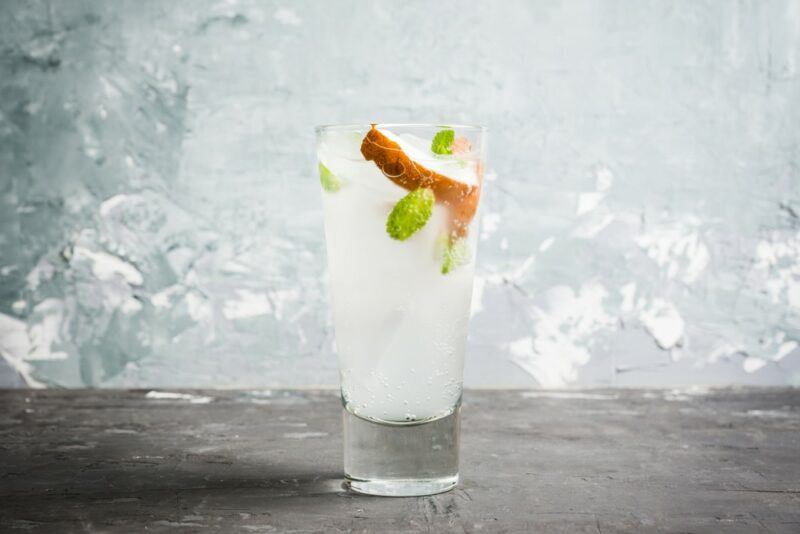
(266, 461)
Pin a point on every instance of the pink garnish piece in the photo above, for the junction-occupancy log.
(461, 146)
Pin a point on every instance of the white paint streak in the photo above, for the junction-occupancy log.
(490, 222)
(131, 306)
(163, 299)
(547, 243)
(562, 333)
(676, 395)
(478, 286)
(247, 304)
(723, 349)
(769, 414)
(567, 395)
(778, 266)
(171, 395)
(595, 224)
(588, 202)
(519, 273)
(234, 267)
(682, 394)
(751, 364)
(603, 178)
(111, 203)
(664, 323)
(45, 331)
(677, 248)
(14, 348)
(106, 266)
(199, 308)
(784, 350)
(281, 298)
(305, 435)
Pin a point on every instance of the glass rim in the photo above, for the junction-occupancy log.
(362, 126)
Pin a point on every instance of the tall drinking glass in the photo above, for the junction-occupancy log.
(400, 226)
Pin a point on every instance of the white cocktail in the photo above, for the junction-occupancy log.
(401, 244)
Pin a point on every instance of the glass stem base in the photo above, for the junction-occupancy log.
(401, 460)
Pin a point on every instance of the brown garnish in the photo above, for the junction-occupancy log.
(460, 198)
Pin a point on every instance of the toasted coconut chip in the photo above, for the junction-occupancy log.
(462, 199)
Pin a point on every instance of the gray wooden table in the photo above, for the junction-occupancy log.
(270, 461)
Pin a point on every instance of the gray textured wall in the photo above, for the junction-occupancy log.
(161, 223)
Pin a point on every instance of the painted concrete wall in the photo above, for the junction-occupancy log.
(160, 220)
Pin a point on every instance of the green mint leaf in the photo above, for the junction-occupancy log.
(442, 142)
(456, 254)
(329, 181)
(410, 214)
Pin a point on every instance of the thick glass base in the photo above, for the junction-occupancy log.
(401, 460)
(402, 488)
